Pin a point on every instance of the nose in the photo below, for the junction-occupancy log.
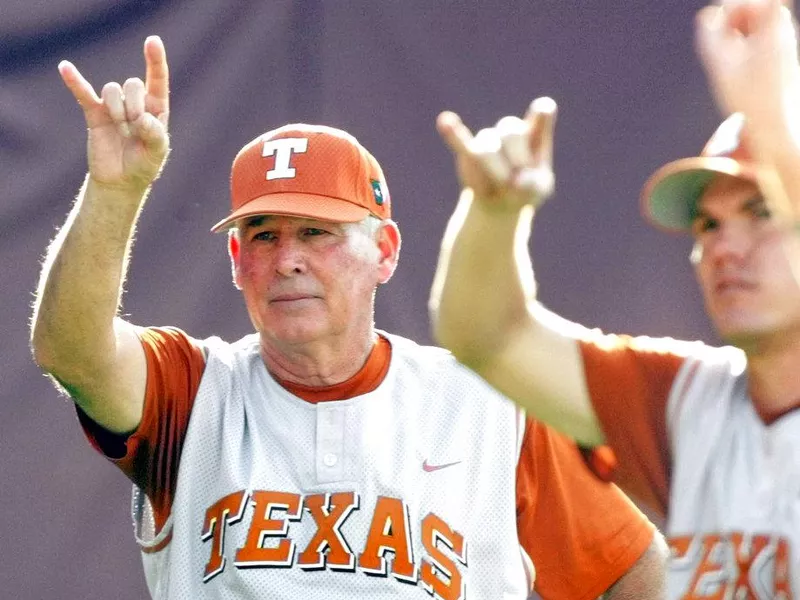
(731, 242)
(289, 257)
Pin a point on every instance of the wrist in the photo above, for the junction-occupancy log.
(496, 208)
(120, 189)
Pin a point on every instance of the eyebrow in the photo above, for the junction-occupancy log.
(259, 220)
(255, 221)
(756, 201)
(699, 213)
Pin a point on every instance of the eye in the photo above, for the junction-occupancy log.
(314, 231)
(704, 225)
(264, 236)
(761, 212)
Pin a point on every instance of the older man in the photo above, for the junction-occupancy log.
(318, 457)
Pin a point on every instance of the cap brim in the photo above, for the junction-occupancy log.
(311, 206)
(669, 197)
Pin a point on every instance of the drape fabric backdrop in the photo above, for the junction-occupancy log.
(631, 96)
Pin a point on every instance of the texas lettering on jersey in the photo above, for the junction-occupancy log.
(269, 544)
(735, 565)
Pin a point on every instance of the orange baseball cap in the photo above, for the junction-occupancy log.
(669, 197)
(306, 171)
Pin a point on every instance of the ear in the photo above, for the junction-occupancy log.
(234, 251)
(389, 249)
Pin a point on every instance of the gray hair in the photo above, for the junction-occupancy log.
(366, 231)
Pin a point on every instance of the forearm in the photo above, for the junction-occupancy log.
(775, 137)
(484, 279)
(646, 580)
(81, 280)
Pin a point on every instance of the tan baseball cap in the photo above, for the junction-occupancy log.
(669, 197)
(306, 171)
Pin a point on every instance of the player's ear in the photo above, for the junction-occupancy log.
(234, 251)
(389, 248)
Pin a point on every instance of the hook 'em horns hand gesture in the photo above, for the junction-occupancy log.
(127, 125)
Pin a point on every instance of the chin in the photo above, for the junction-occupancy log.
(300, 335)
(746, 334)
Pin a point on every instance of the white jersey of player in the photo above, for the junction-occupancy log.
(734, 507)
(405, 492)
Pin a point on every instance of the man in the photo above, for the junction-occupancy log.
(708, 438)
(317, 457)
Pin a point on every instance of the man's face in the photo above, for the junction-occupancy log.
(305, 280)
(742, 262)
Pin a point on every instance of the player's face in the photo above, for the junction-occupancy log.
(305, 280)
(742, 260)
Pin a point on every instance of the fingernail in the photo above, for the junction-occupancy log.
(544, 104)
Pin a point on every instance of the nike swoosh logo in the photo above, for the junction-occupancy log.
(430, 468)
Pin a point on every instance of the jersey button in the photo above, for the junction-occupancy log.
(330, 459)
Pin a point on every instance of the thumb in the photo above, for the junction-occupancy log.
(153, 133)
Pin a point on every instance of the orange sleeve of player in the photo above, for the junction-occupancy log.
(582, 534)
(149, 456)
(629, 380)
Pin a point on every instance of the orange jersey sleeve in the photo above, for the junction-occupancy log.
(629, 380)
(582, 534)
(149, 456)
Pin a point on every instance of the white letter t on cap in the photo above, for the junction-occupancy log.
(282, 149)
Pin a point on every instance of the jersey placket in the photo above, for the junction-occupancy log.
(329, 457)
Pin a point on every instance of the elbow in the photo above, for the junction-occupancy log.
(48, 357)
(67, 356)
(472, 336)
(447, 332)
(464, 348)
(42, 350)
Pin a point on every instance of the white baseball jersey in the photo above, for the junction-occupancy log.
(734, 517)
(405, 492)
(733, 506)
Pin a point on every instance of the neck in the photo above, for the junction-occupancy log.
(773, 379)
(318, 363)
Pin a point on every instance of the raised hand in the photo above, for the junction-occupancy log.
(509, 165)
(749, 51)
(127, 125)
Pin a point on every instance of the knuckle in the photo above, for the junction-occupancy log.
(485, 142)
(134, 82)
(511, 125)
(112, 87)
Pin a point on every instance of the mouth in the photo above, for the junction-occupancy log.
(728, 286)
(287, 298)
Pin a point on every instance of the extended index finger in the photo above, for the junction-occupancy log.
(81, 89)
(455, 134)
(157, 75)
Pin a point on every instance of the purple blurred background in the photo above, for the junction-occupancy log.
(631, 95)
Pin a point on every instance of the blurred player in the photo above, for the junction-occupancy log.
(709, 438)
